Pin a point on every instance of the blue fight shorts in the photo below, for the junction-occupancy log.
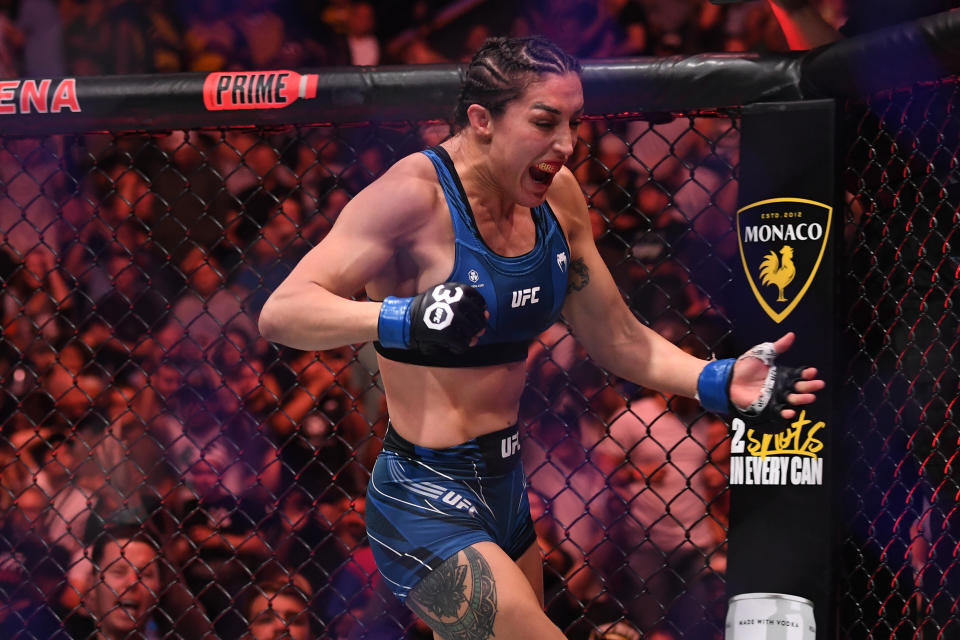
(424, 505)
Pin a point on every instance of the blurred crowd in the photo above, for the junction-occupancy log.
(165, 470)
(55, 38)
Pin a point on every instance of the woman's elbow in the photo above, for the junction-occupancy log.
(269, 322)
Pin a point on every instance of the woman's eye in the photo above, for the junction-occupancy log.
(544, 125)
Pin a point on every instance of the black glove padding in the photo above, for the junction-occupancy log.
(447, 316)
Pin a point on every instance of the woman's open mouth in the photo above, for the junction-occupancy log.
(543, 172)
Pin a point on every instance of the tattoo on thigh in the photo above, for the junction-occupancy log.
(579, 275)
(459, 598)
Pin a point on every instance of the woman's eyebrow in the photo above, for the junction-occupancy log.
(544, 107)
(553, 110)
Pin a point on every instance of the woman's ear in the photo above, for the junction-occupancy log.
(480, 120)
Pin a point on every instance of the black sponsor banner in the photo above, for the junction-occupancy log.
(781, 524)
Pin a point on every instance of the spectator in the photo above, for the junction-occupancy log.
(127, 314)
(662, 484)
(576, 495)
(37, 294)
(131, 48)
(279, 609)
(209, 308)
(269, 231)
(32, 571)
(363, 43)
(475, 37)
(126, 586)
(164, 37)
(320, 44)
(353, 583)
(159, 380)
(119, 225)
(74, 382)
(210, 41)
(264, 37)
(88, 37)
(419, 51)
(39, 21)
(631, 24)
(11, 40)
(326, 210)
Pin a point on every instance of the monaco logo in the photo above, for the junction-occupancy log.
(782, 242)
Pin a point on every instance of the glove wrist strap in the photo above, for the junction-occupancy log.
(713, 385)
(393, 327)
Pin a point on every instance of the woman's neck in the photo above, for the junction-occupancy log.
(487, 197)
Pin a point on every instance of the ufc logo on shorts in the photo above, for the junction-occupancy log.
(454, 499)
(509, 446)
(522, 296)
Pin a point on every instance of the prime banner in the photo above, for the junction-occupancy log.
(787, 221)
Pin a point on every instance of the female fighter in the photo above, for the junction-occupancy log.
(468, 251)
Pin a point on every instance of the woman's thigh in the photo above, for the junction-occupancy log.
(531, 564)
(479, 593)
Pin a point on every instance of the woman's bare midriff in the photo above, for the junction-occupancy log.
(440, 407)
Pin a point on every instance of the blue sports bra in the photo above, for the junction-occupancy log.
(524, 294)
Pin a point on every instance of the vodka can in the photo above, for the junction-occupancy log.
(770, 616)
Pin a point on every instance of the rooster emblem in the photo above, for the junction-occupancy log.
(778, 272)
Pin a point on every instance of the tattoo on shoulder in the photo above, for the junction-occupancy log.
(459, 598)
(579, 275)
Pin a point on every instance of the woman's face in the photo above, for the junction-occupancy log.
(535, 135)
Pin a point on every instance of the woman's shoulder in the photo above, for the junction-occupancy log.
(416, 166)
(412, 178)
(406, 195)
(567, 200)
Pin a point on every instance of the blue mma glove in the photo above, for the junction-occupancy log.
(445, 317)
(713, 387)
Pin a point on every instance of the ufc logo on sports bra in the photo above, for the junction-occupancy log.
(522, 296)
(509, 446)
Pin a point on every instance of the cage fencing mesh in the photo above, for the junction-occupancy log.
(140, 411)
(165, 468)
(899, 575)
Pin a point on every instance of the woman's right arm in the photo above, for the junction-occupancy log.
(312, 308)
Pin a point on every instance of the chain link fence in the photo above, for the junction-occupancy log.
(899, 570)
(167, 470)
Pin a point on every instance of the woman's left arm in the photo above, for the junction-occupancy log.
(623, 345)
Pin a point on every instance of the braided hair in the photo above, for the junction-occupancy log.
(502, 68)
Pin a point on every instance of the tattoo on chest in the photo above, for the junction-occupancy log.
(459, 598)
(579, 275)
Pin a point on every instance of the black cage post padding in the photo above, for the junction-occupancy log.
(781, 515)
(925, 50)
